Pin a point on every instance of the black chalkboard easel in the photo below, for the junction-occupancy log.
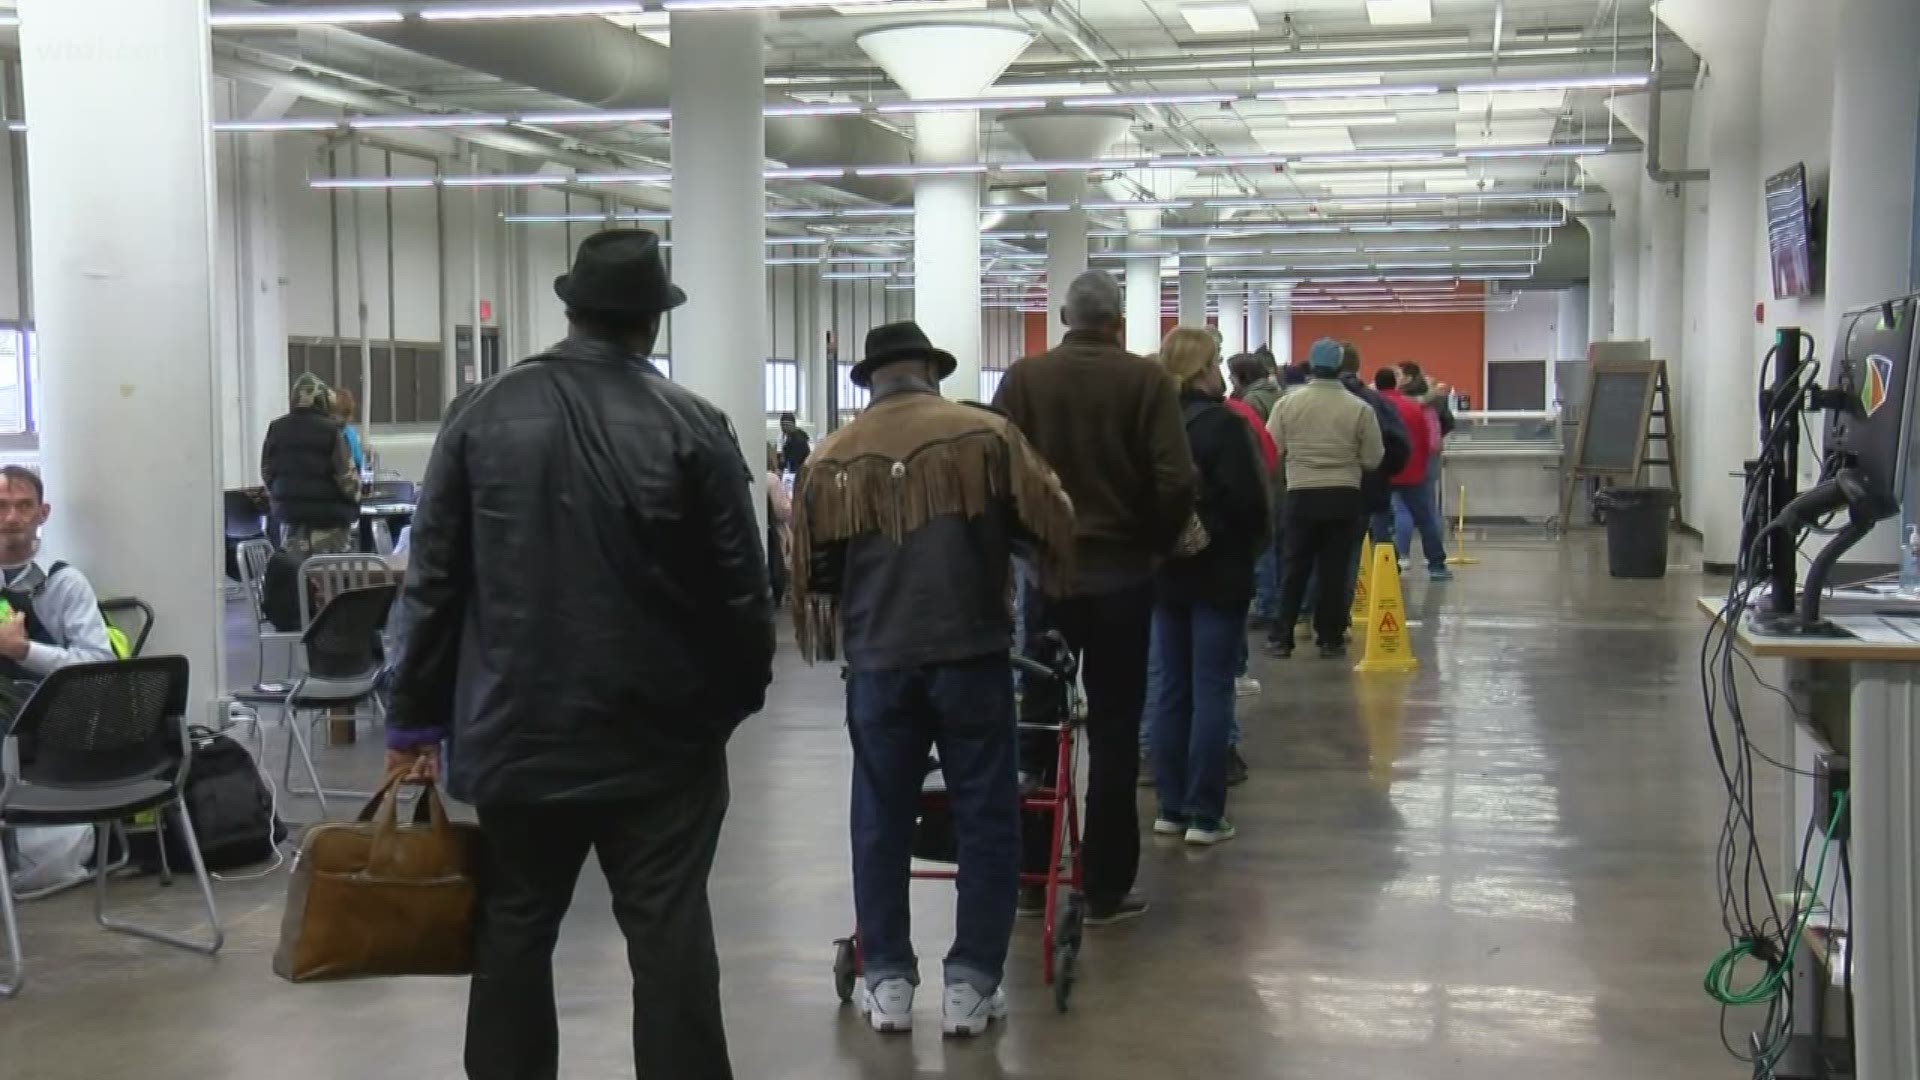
(1617, 424)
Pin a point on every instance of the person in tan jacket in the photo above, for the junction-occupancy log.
(1327, 439)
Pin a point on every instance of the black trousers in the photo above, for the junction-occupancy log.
(1322, 529)
(656, 854)
(1110, 632)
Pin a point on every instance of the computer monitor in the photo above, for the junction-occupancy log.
(1869, 401)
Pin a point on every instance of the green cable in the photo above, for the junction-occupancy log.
(1719, 978)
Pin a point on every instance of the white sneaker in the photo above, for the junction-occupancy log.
(1404, 564)
(968, 1013)
(888, 1006)
(1165, 826)
(1220, 832)
(1246, 686)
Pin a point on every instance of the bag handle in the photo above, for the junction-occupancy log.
(385, 808)
(392, 783)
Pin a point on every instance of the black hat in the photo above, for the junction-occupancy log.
(619, 272)
(899, 341)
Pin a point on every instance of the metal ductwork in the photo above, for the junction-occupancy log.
(597, 63)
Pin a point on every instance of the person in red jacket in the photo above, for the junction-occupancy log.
(1412, 492)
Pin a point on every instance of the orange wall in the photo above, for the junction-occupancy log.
(1449, 347)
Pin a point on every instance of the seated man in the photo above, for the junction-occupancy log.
(53, 618)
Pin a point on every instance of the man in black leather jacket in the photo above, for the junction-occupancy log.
(589, 619)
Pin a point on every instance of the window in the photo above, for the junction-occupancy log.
(19, 380)
(783, 387)
(400, 385)
(851, 398)
(664, 363)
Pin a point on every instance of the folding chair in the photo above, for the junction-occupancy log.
(131, 616)
(323, 577)
(342, 669)
(103, 742)
(254, 555)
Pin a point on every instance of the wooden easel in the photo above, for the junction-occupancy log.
(1606, 460)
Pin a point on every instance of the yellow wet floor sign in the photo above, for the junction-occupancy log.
(1388, 649)
(1358, 615)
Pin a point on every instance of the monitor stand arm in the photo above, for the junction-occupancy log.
(1865, 508)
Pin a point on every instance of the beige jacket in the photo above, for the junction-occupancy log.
(1326, 437)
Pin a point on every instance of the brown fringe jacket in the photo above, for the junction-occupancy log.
(911, 458)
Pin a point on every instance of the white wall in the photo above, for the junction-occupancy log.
(1531, 331)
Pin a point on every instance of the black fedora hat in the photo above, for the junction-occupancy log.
(619, 272)
(899, 341)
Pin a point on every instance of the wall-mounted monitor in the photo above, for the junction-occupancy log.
(1792, 240)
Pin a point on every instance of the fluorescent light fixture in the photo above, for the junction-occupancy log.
(610, 116)
(831, 172)
(936, 105)
(1169, 98)
(855, 275)
(1376, 157)
(285, 16)
(961, 169)
(1361, 120)
(426, 120)
(1554, 150)
(1509, 276)
(792, 260)
(1407, 249)
(1136, 254)
(875, 212)
(799, 241)
(1571, 82)
(564, 219)
(362, 183)
(899, 286)
(1399, 12)
(1313, 82)
(1085, 165)
(838, 259)
(270, 125)
(814, 108)
(1498, 247)
(506, 180)
(1217, 161)
(1220, 18)
(563, 9)
(1138, 204)
(798, 213)
(904, 7)
(624, 178)
(1321, 93)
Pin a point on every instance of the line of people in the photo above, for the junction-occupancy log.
(591, 619)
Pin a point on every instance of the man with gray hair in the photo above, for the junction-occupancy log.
(1109, 423)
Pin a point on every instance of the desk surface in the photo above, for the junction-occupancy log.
(1809, 648)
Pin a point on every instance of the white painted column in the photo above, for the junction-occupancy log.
(719, 218)
(1193, 282)
(261, 303)
(1625, 259)
(1599, 278)
(1259, 319)
(1730, 369)
(1663, 277)
(1065, 136)
(1066, 246)
(1233, 324)
(1280, 325)
(946, 247)
(1143, 284)
(131, 439)
(1876, 113)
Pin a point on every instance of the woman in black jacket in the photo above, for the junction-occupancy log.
(1199, 617)
(313, 489)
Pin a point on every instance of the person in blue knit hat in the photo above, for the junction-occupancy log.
(1327, 439)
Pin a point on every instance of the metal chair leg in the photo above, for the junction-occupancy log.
(14, 975)
(206, 948)
(303, 734)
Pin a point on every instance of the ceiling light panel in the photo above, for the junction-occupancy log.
(1399, 12)
(1523, 101)
(560, 9)
(1505, 132)
(314, 16)
(1220, 18)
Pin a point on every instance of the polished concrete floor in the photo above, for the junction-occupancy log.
(1498, 868)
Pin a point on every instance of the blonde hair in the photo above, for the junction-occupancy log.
(1188, 353)
(344, 405)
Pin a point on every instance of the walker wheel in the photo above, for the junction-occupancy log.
(846, 969)
(1066, 952)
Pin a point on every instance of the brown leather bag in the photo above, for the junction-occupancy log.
(372, 897)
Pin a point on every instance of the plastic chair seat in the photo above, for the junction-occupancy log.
(59, 804)
(314, 692)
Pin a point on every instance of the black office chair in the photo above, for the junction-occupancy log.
(342, 669)
(244, 522)
(101, 743)
(131, 616)
(379, 492)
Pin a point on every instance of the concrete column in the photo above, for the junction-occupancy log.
(261, 302)
(1193, 282)
(1233, 324)
(1066, 136)
(1663, 227)
(1599, 278)
(1626, 255)
(1876, 115)
(1143, 284)
(719, 217)
(1280, 325)
(1259, 319)
(934, 61)
(123, 287)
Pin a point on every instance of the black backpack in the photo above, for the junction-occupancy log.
(232, 811)
(280, 590)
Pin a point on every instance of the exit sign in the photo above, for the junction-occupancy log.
(486, 311)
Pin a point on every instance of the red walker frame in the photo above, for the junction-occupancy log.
(1061, 935)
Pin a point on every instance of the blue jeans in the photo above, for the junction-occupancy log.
(893, 717)
(1190, 701)
(1266, 582)
(1413, 508)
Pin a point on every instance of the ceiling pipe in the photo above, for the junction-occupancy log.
(1657, 172)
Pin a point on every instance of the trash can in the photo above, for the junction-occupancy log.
(1637, 530)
